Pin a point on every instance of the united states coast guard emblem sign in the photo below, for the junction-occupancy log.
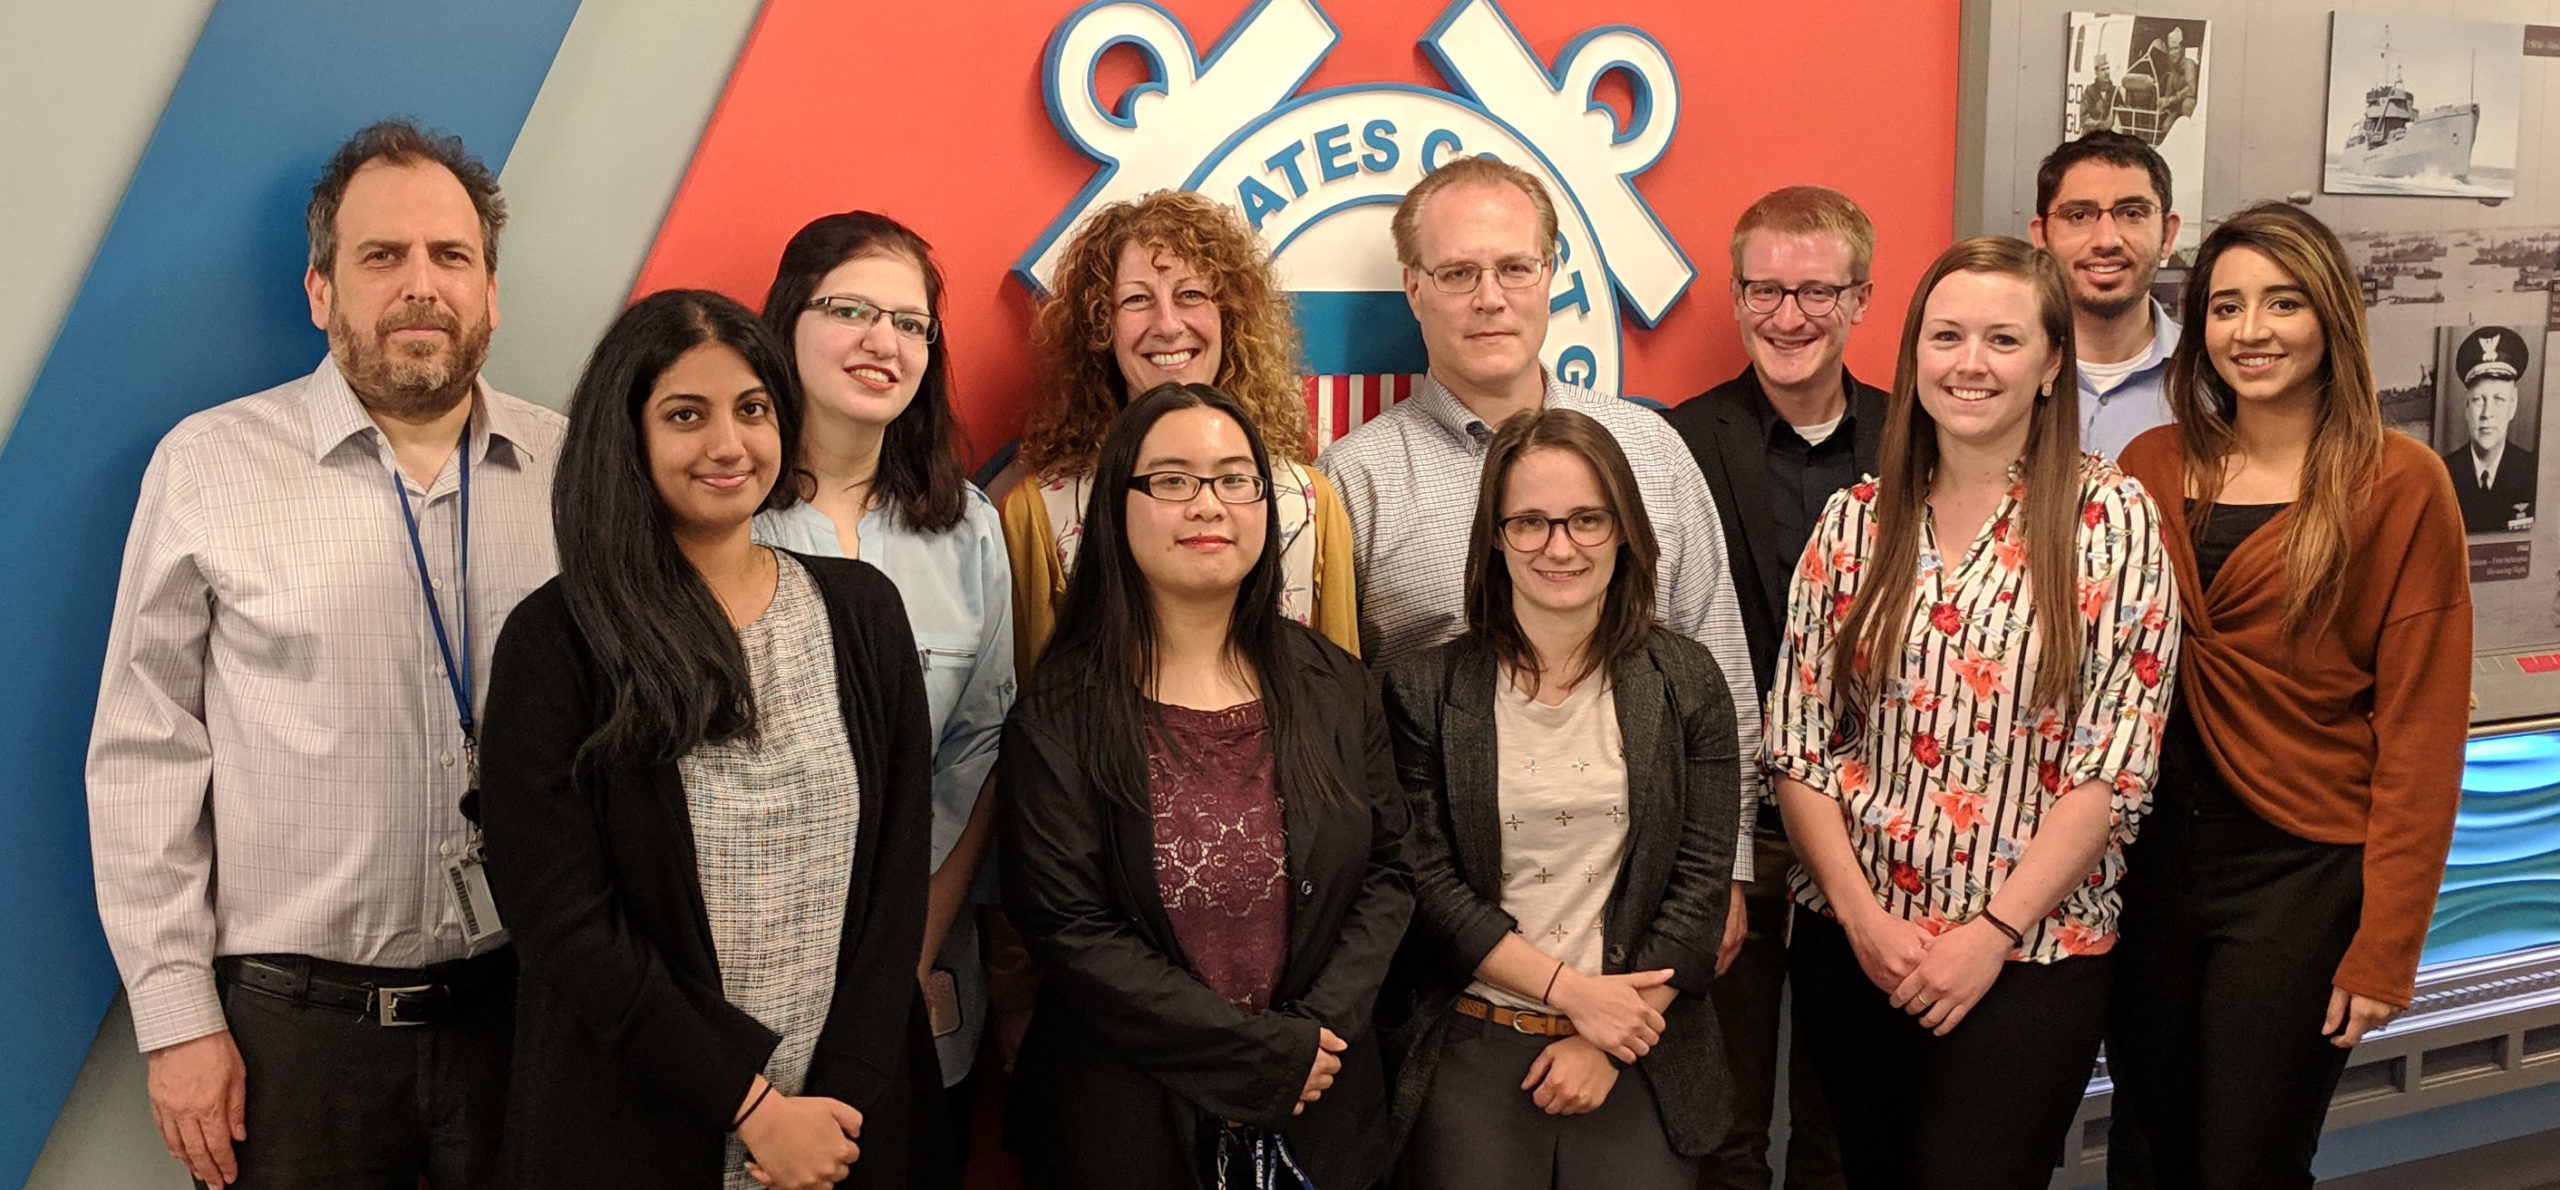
(1318, 175)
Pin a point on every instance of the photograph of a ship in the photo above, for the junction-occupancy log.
(2420, 106)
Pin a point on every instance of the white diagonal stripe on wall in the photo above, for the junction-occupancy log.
(592, 174)
(99, 74)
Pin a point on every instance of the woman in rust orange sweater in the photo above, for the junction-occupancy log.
(2276, 902)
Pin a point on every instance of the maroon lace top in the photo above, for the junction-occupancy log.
(1222, 848)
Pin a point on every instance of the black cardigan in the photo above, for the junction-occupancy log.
(1667, 909)
(1128, 1053)
(629, 1062)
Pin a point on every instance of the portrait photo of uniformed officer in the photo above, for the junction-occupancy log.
(2488, 419)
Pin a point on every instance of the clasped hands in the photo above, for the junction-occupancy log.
(1612, 1020)
(798, 1142)
(1937, 978)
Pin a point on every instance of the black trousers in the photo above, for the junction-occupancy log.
(1983, 1108)
(1747, 997)
(338, 1102)
(1479, 1131)
(961, 1099)
(2232, 931)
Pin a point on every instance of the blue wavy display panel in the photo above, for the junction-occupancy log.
(2502, 882)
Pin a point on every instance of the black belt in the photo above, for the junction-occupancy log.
(388, 996)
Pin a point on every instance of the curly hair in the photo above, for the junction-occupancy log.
(1081, 382)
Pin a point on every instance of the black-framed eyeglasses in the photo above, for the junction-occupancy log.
(861, 313)
(1519, 272)
(1585, 527)
(2130, 215)
(1815, 298)
(1181, 487)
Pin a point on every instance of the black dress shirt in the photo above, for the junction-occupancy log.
(1770, 487)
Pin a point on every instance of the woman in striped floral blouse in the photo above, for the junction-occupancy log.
(1963, 751)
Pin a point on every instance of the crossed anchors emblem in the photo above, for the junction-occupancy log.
(1205, 123)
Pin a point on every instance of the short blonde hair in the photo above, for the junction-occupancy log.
(1459, 172)
(1810, 211)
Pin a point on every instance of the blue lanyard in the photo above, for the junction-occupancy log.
(457, 677)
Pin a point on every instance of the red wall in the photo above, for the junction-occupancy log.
(932, 113)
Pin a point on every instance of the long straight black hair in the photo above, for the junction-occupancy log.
(1107, 629)
(920, 474)
(674, 675)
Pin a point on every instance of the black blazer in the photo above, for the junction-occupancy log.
(629, 1062)
(1128, 1053)
(1724, 429)
(2509, 496)
(1684, 784)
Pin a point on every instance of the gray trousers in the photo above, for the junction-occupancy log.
(1479, 1131)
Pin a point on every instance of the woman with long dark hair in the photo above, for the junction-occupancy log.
(2279, 898)
(1574, 773)
(707, 801)
(1962, 738)
(857, 302)
(1201, 841)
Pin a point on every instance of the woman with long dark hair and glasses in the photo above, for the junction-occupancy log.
(857, 302)
(708, 802)
(1962, 737)
(1202, 841)
(2280, 895)
(1574, 774)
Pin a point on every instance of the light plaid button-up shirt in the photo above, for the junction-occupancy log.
(1409, 478)
(276, 764)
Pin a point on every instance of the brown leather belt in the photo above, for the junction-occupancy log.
(1535, 1024)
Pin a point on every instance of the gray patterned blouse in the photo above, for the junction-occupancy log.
(773, 826)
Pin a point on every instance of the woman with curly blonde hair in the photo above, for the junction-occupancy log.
(1169, 288)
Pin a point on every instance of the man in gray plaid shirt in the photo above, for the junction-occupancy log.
(284, 728)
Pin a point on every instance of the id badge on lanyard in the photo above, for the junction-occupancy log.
(466, 878)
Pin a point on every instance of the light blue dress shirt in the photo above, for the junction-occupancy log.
(2114, 418)
(958, 588)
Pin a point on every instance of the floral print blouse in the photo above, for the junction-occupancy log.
(1943, 779)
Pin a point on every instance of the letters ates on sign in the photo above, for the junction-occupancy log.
(1318, 175)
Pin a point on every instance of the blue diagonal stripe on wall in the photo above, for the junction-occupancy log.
(195, 297)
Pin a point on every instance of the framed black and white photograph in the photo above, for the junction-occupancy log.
(2144, 76)
(2422, 106)
(2489, 424)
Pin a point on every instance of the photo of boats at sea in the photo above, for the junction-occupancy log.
(2416, 282)
(2427, 292)
(2420, 106)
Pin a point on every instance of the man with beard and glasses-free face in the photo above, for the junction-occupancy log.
(285, 731)
(1477, 239)
(1774, 443)
(2103, 211)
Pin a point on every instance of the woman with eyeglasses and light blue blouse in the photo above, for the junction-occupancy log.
(856, 303)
